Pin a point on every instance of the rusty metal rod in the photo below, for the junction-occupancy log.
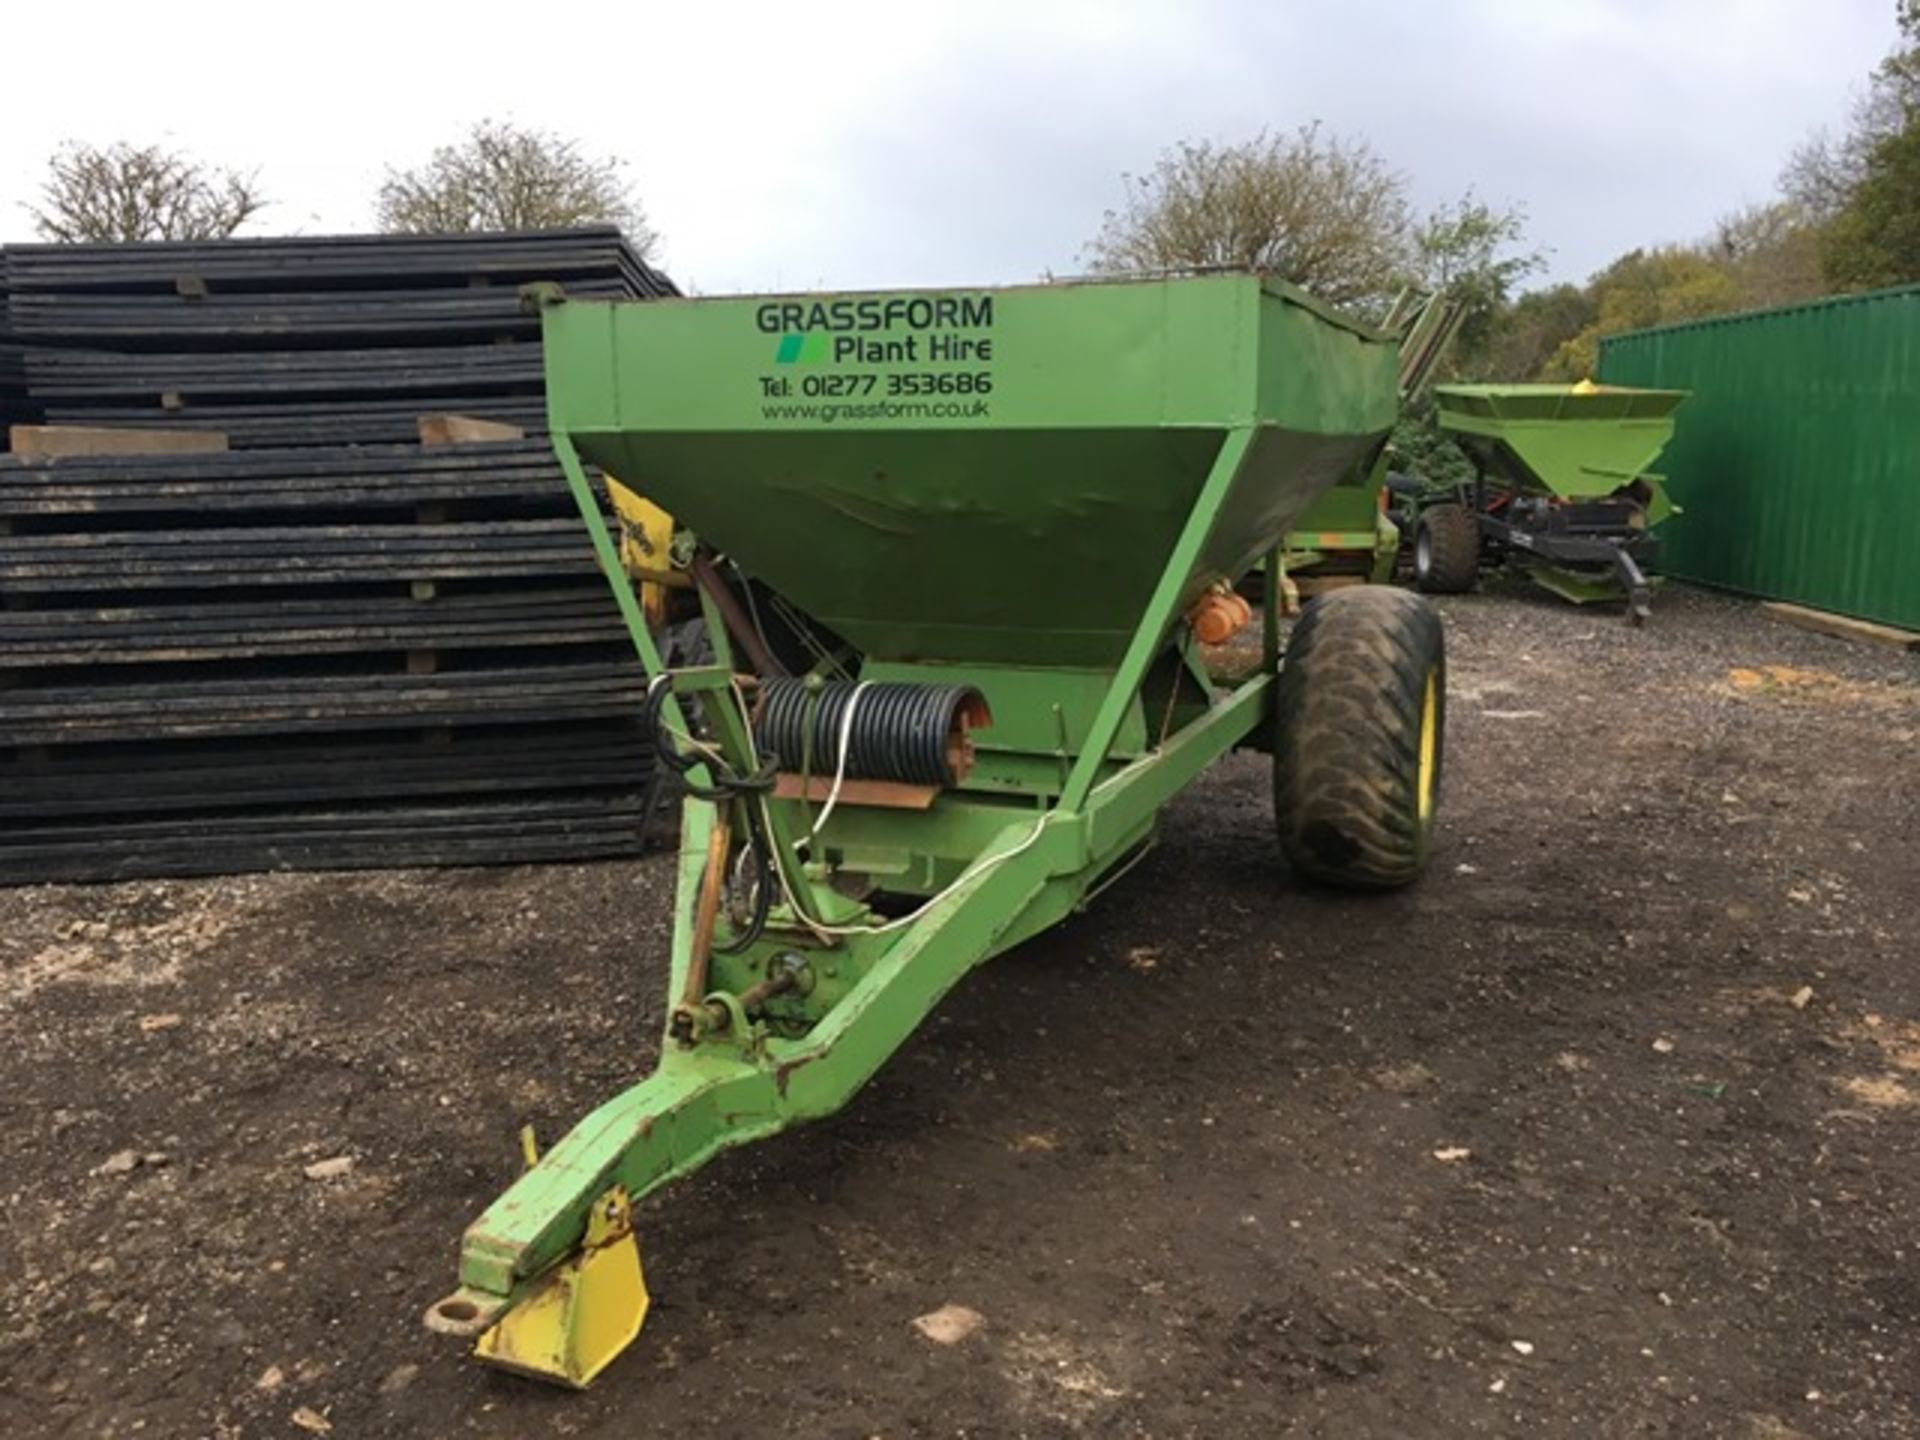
(713, 883)
(758, 994)
(739, 625)
(750, 999)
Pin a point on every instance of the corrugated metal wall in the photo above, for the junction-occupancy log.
(1798, 458)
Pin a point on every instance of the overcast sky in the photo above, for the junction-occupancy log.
(841, 143)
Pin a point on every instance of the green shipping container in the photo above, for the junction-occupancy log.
(1797, 461)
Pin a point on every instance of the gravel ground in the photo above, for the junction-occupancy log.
(1607, 1128)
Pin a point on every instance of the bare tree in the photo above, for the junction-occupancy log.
(140, 192)
(1824, 170)
(1322, 211)
(1860, 190)
(1476, 253)
(1772, 252)
(503, 177)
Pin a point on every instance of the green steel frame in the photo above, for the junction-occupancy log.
(1071, 773)
(872, 991)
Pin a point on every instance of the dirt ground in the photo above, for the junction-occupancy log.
(1607, 1128)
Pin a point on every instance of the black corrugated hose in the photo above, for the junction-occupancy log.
(900, 731)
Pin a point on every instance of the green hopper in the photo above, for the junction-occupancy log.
(1008, 519)
(1563, 488)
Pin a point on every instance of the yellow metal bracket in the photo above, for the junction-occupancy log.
(583, 1311)
(646, 540)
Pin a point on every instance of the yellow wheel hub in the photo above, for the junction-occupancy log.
(1429, 742)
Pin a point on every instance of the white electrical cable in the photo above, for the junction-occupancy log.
(840, 770)
(979, 868)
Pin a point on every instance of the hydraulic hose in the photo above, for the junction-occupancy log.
(728, 786)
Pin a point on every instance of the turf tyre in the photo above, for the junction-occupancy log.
(1446, 549)
(1359, 734)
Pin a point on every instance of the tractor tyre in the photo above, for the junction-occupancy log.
(1446, 549)
(1359, 730)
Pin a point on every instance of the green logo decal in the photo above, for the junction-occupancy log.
(797, 348)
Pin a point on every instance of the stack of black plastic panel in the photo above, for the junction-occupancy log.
(336, 652)
(15, 408)
(340, 340)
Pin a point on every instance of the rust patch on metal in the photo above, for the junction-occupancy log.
(784, 1071)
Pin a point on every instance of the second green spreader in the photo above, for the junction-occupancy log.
(1563, 489)
(1008, 519)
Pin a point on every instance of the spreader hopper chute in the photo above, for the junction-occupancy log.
(1573, 441)
(1003, 481)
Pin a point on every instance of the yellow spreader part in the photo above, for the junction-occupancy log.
(582, 1312)
(1429, 743)
(646, 538)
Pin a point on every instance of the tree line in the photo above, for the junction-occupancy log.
(1330, 214)
(1324, 211)
(499, 176)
